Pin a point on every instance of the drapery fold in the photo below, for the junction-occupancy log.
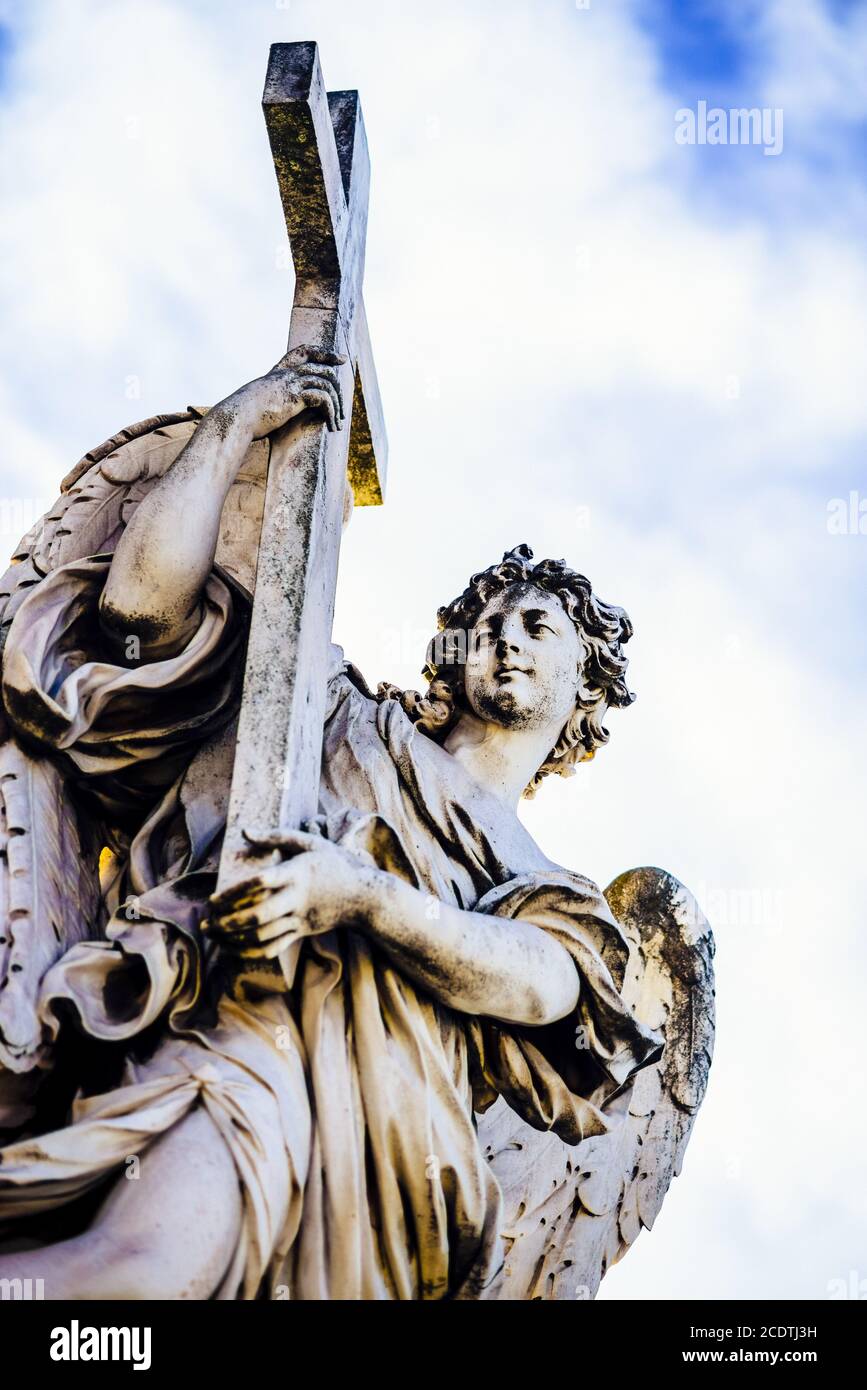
(347, 1105)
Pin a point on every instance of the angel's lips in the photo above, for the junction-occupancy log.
(503, 673)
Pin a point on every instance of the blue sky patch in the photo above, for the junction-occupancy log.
(702, 45)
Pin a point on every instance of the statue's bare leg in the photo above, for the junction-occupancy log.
(168, 1234)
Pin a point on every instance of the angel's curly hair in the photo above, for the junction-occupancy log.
(601, 628)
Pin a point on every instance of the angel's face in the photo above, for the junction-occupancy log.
(522, 665)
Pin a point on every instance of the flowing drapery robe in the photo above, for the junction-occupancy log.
(347, 1102)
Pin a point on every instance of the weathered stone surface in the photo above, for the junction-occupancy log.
(323, 173)
(399, 1053)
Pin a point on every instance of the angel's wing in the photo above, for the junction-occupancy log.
(572, 1212)
(49, 873)
(96, 498)
(49, 893)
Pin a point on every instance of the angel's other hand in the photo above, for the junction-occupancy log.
(320, 887)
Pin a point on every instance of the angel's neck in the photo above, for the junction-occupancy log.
(503, 761)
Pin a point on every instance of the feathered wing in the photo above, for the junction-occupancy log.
(572, 1212)
(96, 500)
(49, 870)
(49, 893)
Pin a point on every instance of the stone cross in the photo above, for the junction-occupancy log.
(323, 172)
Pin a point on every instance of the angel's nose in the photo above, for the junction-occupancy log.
(508, 640)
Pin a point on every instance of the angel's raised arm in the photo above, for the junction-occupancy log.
(166, 553)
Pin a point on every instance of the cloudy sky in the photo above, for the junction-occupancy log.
(645, 356)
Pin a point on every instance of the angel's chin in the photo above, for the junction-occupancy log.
(503, 705)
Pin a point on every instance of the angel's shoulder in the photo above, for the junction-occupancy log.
(346, 676)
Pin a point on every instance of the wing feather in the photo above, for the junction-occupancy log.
(49, 891)
(49, 870)
(573, 1212)
(94, 504)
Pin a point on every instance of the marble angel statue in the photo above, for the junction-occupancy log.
(480, 1076)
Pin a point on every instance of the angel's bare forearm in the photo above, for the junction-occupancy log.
(165, 555)
(166, 552)
(493, 966)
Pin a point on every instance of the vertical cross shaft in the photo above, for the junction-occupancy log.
(320, 156)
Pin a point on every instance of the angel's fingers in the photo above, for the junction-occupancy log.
(287, 841)
(232, 900)
(271, 949)
(323, 371)
(315, 826)
(291, 360)
(279, 904)
(320, 400)
(297, 356)
(261, 935)
(252, 890)
(313, 375)
(325, 356)
(321, 383)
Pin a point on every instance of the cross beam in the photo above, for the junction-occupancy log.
(323, 171)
